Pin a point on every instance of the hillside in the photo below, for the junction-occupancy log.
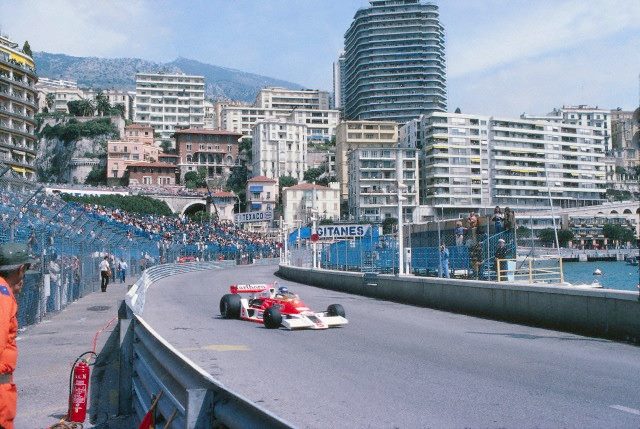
(119, 73)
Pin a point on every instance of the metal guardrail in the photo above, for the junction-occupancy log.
(149, 364)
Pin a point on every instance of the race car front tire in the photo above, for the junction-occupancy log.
(335, 310)
(272, 318)
(230, 306)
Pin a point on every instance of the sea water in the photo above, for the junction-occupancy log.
(615, 275)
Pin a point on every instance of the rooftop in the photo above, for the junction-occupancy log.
(308, 187)
(208, 131)
(262, 179)
(152, 164)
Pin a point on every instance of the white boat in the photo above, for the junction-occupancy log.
(597, 272)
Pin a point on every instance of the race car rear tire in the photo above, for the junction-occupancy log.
(230, 306)
(335, 310)
(272, 318)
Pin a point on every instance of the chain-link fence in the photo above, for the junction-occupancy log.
(447, 248)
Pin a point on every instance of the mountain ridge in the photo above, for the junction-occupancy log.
(221, 83)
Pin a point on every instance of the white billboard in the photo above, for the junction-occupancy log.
(265, 216)
(342, 231)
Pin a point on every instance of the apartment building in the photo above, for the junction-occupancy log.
(582, 114)
(471, 162)
(374, 175)
(305, 201)
(115, 97)
(279, 149)
(262, 193)
(321, 124)
(152, 173)
(63, 91)
(18, 105)
(219, 106)
(351, 135)
(289, 99)
(454, 160)
(338, 82)
(394, 62)
(216, 151)
(169, 102)
(136, 147)
(535, 162)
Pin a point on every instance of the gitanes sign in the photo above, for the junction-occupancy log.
(342, 231)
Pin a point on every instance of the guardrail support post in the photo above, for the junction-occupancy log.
(199, 408)
(126, 360)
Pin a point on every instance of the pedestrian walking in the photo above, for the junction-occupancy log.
(14, 263)
(444, 261)
(105, 273)
(123, 270)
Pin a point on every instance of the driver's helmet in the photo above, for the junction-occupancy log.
(283, 290)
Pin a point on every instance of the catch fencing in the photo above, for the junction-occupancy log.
(468, 252)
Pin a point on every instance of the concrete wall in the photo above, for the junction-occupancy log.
(595, 312)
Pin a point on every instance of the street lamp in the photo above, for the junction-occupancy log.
(401, 187)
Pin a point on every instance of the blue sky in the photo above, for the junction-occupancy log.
(504, 57)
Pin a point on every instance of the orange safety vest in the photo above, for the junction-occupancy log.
(8, 354)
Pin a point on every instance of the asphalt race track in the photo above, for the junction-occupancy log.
(396, 365)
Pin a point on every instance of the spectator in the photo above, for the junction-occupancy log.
(497, 219)
(105, 273)
(444, 261)
(459, 232)
(472, 222)
(500, 255)
(123, 270)
(509, 219)
(476, 259)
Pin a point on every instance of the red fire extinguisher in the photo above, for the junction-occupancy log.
(78, 391)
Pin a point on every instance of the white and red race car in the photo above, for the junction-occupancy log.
(275, 307)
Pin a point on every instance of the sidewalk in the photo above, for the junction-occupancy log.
(47, 351)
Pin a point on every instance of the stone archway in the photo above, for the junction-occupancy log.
(193, 208)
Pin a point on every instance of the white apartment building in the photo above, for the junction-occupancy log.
(454, 160)
(279, 149)
(301, 202)
(351, 135)
(535, 162)
(262, 193)
(168, 102)
(289, 99)
(209, 114)
(580, 115)
(321, 124)
(471, 162)
(374, 174)
(242, 119)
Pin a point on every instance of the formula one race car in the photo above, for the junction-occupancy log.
(276, 306)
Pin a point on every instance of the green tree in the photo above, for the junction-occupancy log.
(619, 233)
(620, 170)
(102, 104)
(26, 49)
(196, 179)
(81, 108)
(50, 99)
(117, 110)
(166, 146)
(286, 181)
(130, 203)
(246, 149)
(97, 176)
(523, 232)
(312, 174)
(547, 236)
(389, 224)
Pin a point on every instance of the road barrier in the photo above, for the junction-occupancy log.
(596, 312)
(145, 364)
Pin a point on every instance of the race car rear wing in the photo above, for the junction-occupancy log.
(253, 288)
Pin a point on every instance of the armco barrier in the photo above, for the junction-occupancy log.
(595, 312)
(145, 364)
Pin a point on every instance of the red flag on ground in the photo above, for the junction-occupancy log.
(149, 420)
